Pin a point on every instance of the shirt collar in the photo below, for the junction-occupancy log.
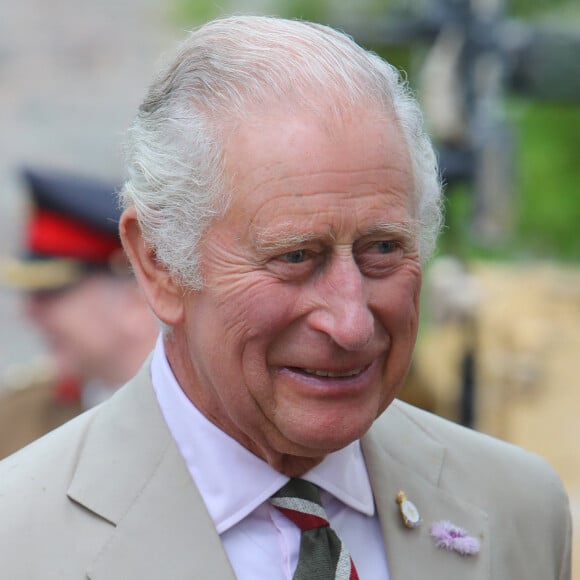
(232, 480)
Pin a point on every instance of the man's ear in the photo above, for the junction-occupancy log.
(164, 295)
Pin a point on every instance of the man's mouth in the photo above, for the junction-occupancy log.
(334, 374)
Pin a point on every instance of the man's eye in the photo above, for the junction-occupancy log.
(295, 257)
(386, 246)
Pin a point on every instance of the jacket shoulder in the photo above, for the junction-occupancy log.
(472, 455)
(51, 457)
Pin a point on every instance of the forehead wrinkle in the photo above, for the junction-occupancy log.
(369, 183)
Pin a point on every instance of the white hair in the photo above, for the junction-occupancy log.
(226, 70)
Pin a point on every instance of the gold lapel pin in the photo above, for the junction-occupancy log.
(409, 512)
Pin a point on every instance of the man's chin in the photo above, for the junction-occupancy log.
(319, 438)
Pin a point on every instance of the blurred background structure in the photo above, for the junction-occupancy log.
(500, 84)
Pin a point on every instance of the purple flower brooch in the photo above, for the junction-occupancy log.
(451, 537)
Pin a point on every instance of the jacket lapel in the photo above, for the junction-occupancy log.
(402, 457)
(130, 473)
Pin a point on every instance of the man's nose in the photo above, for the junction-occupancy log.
(342, 311)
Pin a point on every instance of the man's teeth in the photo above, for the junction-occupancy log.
(333, 375)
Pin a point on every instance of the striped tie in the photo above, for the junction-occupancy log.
(322, 555)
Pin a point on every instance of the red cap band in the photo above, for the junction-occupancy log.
(51, 234)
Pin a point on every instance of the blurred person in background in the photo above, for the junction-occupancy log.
(78, 290)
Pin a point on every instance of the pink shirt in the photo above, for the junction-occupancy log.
(236, 484)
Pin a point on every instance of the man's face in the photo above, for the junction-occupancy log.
(79, 323)
(304, 330)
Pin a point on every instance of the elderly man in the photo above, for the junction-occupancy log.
(79, 292)
(281, 198)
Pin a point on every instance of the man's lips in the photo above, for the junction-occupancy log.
(330, 381)
(326, 373)
(334, 374)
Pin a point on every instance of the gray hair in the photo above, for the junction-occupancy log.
(224, 71)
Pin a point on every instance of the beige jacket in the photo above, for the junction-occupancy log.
(108, 497)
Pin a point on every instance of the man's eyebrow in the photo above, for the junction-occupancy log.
(282, 238)
(405, 233)
(285, 236)
(406, 229)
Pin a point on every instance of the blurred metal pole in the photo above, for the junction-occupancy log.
(490, 136)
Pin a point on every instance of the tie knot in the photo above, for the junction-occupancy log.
(299, 501)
